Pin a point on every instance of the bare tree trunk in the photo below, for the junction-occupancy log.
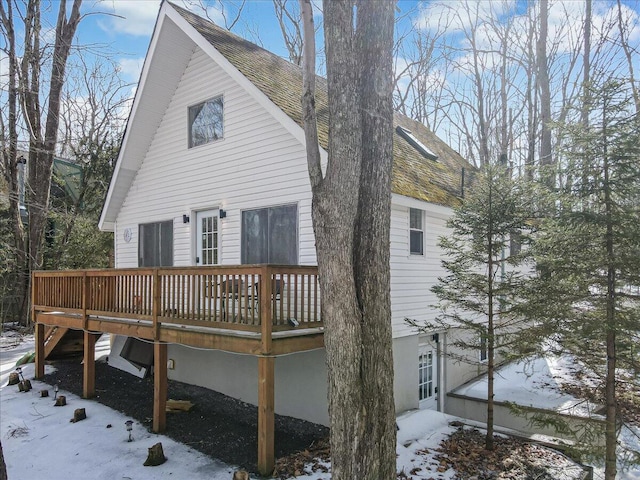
(628, 52)
(291, 28)
(490, 349)
(545, 91)
(40, 167)
(610, 460)
(351, 216)
(10, 162)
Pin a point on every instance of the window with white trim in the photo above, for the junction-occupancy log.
(270, 235)
(206, 122)
(416, 231)
(155, 244)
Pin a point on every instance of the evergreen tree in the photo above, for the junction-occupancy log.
(485, 265)
(588, 256)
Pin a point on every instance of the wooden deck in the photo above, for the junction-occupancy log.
(263, 310)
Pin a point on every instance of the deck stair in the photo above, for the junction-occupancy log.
(62, 342)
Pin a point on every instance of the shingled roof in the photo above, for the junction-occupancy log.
(414, 175)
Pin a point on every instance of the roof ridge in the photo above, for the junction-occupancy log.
(281, 81)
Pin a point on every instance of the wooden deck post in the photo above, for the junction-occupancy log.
(266, 404)
(39, 350)
(159, 387)
(89, 367)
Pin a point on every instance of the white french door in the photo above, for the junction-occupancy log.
(428, 377)
(207, 238)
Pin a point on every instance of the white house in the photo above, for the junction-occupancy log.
(213, 171)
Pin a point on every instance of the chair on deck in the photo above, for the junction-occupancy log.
(277, 286)
(230, 289)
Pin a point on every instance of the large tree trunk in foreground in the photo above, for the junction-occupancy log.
(351, 217)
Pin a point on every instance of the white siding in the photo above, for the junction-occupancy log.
(257, 164)
(412, 276)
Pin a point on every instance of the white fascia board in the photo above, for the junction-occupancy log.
(287, 122)
(404, 201)
(103, 223)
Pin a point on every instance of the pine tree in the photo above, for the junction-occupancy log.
(588, 256)
(485, 264)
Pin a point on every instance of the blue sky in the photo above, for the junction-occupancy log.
(127, 35)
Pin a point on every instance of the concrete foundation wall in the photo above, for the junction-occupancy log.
(575, 428)
(405, 379)
(300, 379)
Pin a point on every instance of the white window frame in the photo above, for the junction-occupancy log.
(190, 144)
(421, 230)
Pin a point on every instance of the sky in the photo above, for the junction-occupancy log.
(123, 28)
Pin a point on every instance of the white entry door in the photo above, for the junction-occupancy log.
(428, 377)
(207, 238)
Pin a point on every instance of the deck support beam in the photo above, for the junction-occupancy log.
(89, 366)
(266, 416)
(159, 387)
(40, 357)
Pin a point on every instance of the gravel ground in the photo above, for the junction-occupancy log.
(217, 425)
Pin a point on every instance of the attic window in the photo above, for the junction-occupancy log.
(415, 143)
(206, 122)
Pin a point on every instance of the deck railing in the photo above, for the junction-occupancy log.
(235, 297)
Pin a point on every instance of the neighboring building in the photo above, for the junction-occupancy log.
(213, 171)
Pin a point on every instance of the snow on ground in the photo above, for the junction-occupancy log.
(39, 441)
(532, 382)
(537, 382)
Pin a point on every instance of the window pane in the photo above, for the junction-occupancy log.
(415, 218)
(269, 235)
(166, 244)
(206, 122)
(155, 244)
(254, 236)
(282, 235)
(416, 242)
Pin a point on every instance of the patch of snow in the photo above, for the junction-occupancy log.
(39, 441)
(534, 383)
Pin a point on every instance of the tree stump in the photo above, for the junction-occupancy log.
(14, 379)
(78, 414)
(24, 386)
(156, 456)
(240, 475)
(44, 393)
(61, 401)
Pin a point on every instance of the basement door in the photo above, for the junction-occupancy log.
(428, 376)
(207, 238)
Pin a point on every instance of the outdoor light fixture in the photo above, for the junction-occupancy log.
(19, 370)
(185, 218)
(222, 213)
(129, 424)
(55, 391)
